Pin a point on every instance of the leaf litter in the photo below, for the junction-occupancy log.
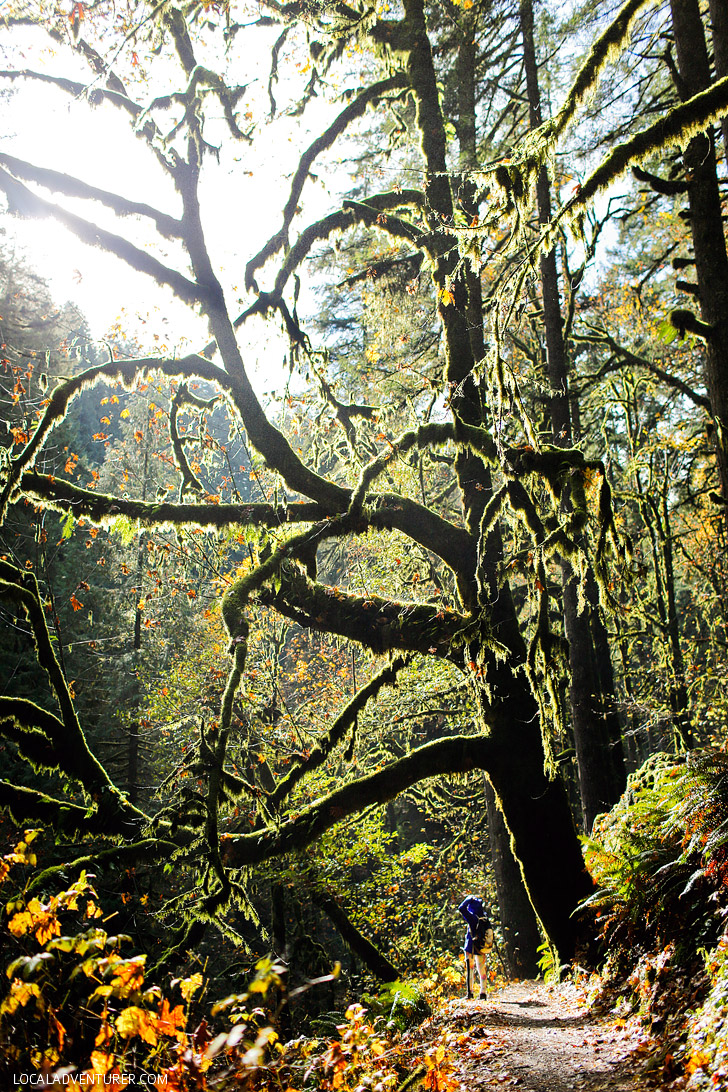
(532, 1036)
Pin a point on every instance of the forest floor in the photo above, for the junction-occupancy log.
(537, 1038)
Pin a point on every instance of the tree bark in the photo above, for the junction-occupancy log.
(519, 924)
(711, 260)
(719, 21)
(600, 763)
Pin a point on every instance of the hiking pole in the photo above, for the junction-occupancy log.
(467, 975)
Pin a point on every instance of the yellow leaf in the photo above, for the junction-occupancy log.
(136, 1021)
(19, 924)
(190, 985)
(20, 994)
(170, 1021)
(447, 297)
(128, 975)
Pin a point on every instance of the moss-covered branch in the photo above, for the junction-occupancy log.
(318, 754)
(202, 77)
(147, 849)
(29, 805)
(66, 184)
(455, 754)
(676, 128)
(353, 110)
(124, 371)
(377, 623)
(32, 729)
(190, 482)
(451, 543)
(371, 957)
(371, 213)
(114, 94)
(623, 355)
(608, 45)
(433, 434)
(101, 508)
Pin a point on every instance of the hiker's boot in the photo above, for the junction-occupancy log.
(482, 996)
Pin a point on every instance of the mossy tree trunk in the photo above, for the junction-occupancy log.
(519, 924)
(706, 222)
(600, 756)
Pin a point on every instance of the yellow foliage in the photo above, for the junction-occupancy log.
(171, 1021)
(19, 854)
(136, 1021)
(20, 994)
(19, 924)
(189, 986)
(101, 1062)
(38, 919)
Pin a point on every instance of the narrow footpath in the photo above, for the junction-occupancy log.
(538, 1038)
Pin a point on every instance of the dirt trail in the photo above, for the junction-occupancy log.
(539, 1038)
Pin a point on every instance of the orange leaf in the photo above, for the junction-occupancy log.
(170, 1021)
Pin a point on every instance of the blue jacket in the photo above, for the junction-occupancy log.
(473, 910)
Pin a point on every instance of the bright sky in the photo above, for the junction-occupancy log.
(242, 196)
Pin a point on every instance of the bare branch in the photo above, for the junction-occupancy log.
(23, 202)
(626, 356)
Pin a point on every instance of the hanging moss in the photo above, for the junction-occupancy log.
(75, 759)
(676, 128)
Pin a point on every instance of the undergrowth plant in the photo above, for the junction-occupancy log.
(76, 1007)
(659, 857)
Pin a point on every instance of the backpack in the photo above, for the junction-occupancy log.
(482, 932)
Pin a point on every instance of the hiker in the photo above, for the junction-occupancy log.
(478, 941)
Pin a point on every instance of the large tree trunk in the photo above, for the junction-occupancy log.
(518, 920)
(711, 261)
(600, 762)
(535, 807)
(519, 924)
